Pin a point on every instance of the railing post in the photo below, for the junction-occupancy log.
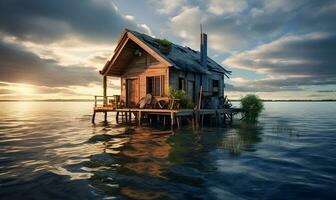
(104, 90)
(95, 103)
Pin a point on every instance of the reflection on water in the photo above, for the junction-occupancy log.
(51, 151)
(242, 138)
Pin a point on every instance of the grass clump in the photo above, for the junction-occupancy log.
(252, 106)
(164, 45)
(184, 101)
(163, 42)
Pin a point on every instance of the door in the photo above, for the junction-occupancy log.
(132, 92)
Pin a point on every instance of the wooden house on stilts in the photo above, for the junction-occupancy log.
(147, 65)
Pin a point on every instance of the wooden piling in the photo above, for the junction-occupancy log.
(172, 120)
(93, 117)
(105, 116)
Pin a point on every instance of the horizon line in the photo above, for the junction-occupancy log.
(89, 100)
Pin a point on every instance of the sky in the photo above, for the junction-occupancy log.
(277, 49)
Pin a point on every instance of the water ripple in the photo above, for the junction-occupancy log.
(52, 151)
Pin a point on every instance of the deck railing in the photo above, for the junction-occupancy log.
(106, 100)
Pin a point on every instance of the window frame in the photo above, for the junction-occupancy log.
(157, 81)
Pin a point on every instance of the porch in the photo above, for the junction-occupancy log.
(174, 116)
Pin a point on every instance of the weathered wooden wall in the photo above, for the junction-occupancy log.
(196, 78)
(141, 67)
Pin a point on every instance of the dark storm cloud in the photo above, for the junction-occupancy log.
(21, 66)
(304, 56)
(46, 21)
(264, 21)
(303, 60)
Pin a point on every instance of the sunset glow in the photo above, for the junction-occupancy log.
(276, 49)
(24, 89)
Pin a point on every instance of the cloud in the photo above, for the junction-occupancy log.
(167, 6)
(129, 17)
(6, 91)
(253, 23)
(292, 60)
(146, 28)
(186, 24)
(22, 66)
(49, 21)
(220, 7)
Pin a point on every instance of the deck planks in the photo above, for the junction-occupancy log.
(175, 115)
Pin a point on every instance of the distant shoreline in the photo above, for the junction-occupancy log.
(298, 100)
(49, 100)
(91, 100)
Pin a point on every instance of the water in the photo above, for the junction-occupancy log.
(50, 150)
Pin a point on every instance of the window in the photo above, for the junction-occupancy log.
(149, 84)
(181, 85)
(155, 85)
(215, 87)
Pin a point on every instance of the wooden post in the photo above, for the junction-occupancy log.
(136, 116)
(105, 90)
(140, 118)
(117, 117)
(93, 117)
(104, 94)
(178, 121)
(172, 120)
(197, 118)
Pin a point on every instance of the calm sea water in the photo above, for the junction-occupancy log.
(50, 150)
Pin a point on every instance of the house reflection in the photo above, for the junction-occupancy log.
(148, 152)
(139, 162)
(130, 160)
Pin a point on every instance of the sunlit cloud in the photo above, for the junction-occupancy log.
(167, 6)
(277, 49)
(219, 7)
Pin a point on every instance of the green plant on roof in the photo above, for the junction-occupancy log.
(164, 45)
(163, 42)
(252, 106)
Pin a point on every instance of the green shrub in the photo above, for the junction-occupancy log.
(163, 42)
(252, 106)
(184, 100)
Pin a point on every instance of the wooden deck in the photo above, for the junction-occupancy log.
(196, 116)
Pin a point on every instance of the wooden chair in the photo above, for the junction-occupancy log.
(227, 102)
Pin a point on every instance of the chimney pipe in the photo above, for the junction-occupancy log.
(204, 48)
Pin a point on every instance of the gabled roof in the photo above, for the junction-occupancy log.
(181, 58)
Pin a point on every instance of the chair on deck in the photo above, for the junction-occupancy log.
(145, 101)
(166, 103)
(227, 102)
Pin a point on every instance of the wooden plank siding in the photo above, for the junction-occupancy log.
(174, 76)
(142, 67)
